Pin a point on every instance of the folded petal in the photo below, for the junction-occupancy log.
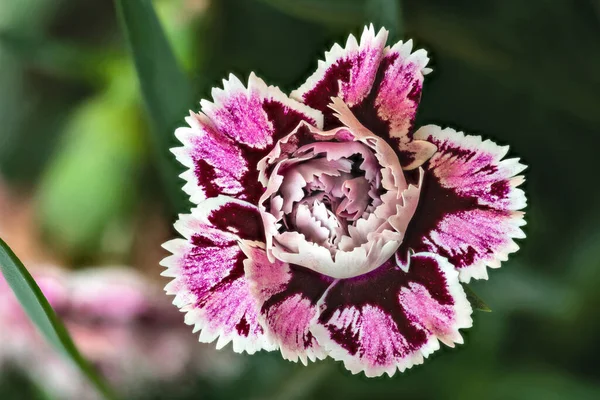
(391, 318)
(287, 296)
(469, 202)
(223, 143)
(347, 73)
(209, 283)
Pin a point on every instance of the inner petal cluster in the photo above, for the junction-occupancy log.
(335, 201)
(325, 195)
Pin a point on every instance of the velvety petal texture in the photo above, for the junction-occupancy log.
(208, 269)
(327, 225)
(347, 73)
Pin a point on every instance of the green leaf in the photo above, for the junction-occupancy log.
(166, 90)
(386, 14)
(475, 300)
(43, 316)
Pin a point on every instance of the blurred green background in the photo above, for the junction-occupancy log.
(82, 166)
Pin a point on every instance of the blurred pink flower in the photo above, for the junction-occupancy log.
(118, 320)
(327, 225)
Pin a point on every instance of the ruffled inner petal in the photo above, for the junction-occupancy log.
(342, 200)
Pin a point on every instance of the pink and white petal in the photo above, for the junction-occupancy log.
(215, 163)
(224, 143)
(207, 267)
(391, 319)
(469, 204)
(399, 91)
(390, 109)
(287, 296)
(347, 73)
(256, 116)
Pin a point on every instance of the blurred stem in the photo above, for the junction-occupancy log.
(302, 382)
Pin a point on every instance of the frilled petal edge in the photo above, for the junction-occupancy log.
(207, 267)
(470, 202)
(392, 318)
(347, 72)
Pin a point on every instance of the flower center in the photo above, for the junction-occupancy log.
(327, 196)
(335, 201)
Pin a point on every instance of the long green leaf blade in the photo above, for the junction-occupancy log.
(43, 316)
(166, 90)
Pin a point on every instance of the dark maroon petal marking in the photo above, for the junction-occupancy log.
(320, 97)
(347, 73)
(381, 86)
(206, 175)
(390, 109)
(366, 111)
(303, 281)
(379, 289)
(390, 319)
(244, 220)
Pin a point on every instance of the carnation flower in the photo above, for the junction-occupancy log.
(327, 225)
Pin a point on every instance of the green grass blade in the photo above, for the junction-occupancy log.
(43, 316)
(166, 90)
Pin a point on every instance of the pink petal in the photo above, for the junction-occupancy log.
(390, 319)
(288, 297)
(216, 164)
(399, 91)
(468, 207)
(382, 87)
(208, 269)
(390, 109)
(346, 72)
(224, 142)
